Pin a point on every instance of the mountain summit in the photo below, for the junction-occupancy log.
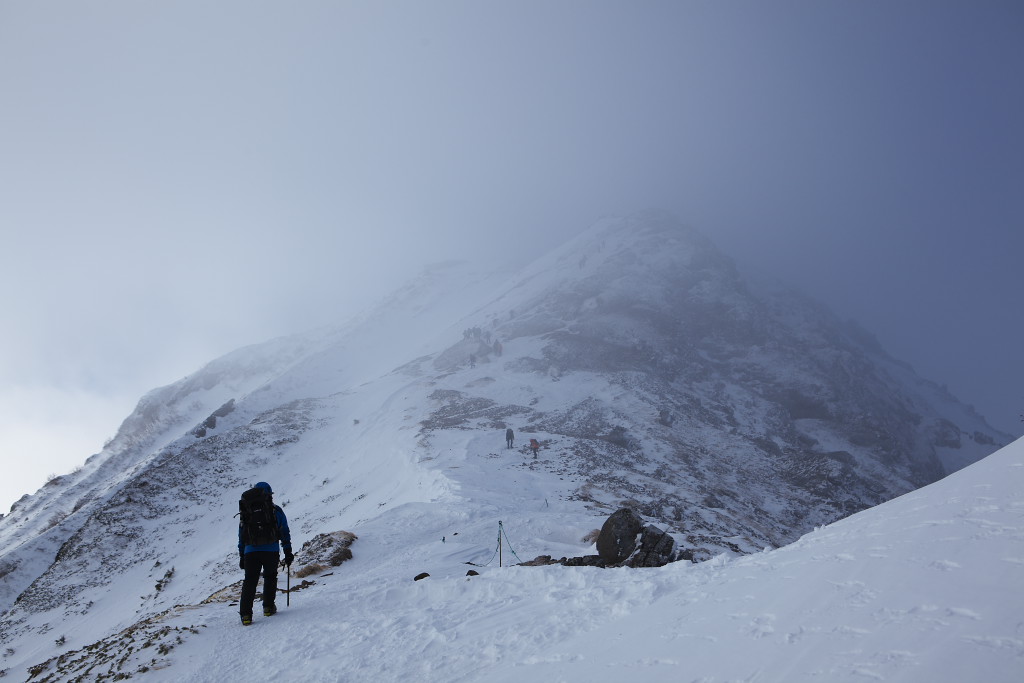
(649, 372)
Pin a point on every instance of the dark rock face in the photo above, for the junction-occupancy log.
(618, 537)
(625, 541)
(211, 422)
(656, 549)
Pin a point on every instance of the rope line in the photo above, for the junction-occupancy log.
(488, 561)
(510, 546)
(501, 532)
(501, 529)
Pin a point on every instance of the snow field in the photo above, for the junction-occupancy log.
(927, 587)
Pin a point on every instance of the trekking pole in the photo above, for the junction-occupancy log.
(288, 585)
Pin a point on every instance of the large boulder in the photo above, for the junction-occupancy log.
(619, 536)
(656, 549)
(625, 541)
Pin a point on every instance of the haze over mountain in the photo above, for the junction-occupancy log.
(735, 416)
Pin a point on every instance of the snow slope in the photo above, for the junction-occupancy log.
(927, 587)
(384, 427)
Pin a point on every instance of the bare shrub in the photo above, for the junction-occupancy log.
(309, 570)
(55, 520)
(340, 555)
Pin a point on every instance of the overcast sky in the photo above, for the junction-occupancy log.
(181, 178)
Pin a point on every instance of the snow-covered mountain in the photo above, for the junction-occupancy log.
(653, 376)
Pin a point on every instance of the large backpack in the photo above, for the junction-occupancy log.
(259, 523)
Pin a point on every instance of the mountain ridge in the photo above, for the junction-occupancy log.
(650, 372)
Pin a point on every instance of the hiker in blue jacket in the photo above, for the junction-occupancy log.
(261, 554)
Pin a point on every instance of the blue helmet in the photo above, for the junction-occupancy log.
(264, 485)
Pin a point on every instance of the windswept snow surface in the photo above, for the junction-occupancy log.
(370, 428)
(927, 587)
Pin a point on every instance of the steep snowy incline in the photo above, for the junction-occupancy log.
(927, 587)
(40, 524)
(650, 374)
(228, 394)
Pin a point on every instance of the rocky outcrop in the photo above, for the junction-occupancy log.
(624, 541)
(656, 549)
(619, 536)
(324, 551)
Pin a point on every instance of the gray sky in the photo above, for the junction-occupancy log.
(178, 179)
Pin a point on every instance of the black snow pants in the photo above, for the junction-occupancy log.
(256, 562)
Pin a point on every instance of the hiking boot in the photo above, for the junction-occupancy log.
(246, 620)
(269, 611)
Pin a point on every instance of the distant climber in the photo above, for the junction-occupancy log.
(472, 360)
(509, 437)
(534, 446)
(262, 530)
(497, 347)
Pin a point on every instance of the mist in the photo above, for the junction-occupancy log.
(181, 179)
